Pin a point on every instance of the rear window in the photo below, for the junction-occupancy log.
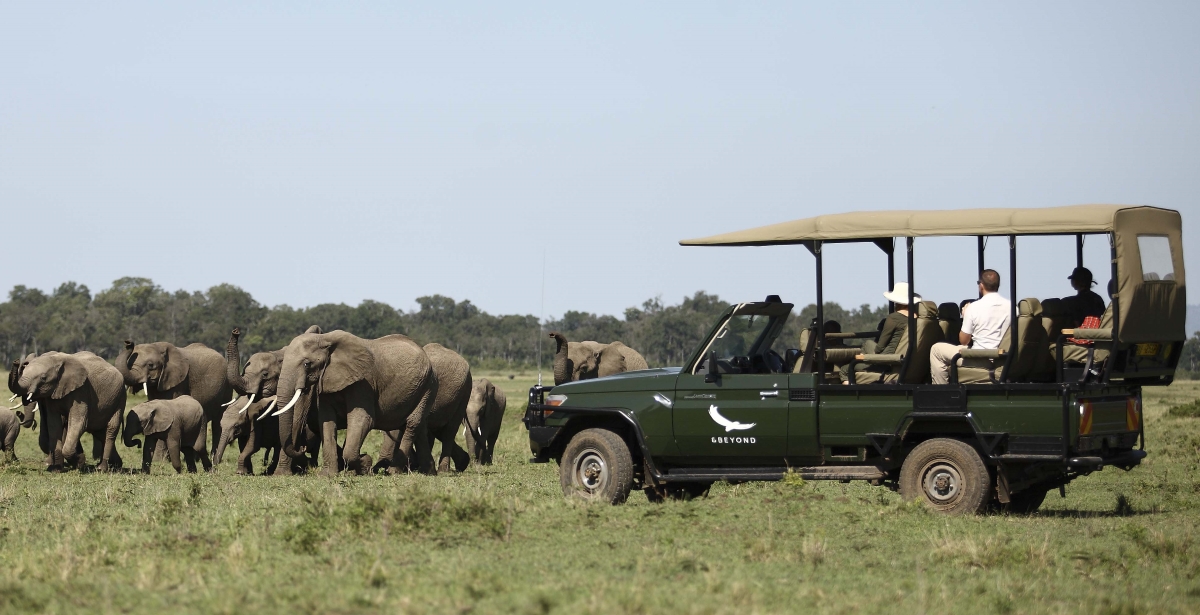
(1156, 258)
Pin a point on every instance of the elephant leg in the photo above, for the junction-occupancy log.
(491, 447)
(216, 433)
(111, 461)
(387, 453)
(473, 443)
(189, 459)
(246, 457)
(205, 462)
(160, 450)
(329, 445)
(270, 469)
(148, 448)
(416, 429)
(173, 455)
(451, 451)
(358, 425)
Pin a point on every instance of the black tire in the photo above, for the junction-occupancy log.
(948, 475)
(596, 465)
(1026, 502)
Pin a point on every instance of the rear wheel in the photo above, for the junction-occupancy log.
(596, 465)
(948, 475)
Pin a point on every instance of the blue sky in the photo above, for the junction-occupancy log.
(331, 153)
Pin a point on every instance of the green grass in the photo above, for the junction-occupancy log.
(503, 539)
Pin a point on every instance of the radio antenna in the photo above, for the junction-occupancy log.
(542, 317)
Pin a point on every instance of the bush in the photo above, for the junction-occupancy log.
(1189, 410)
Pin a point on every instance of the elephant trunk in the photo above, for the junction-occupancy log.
(290, 383)
(133, 427)
(13, 375)
(233, 364)
(562, 368)
(27, 415)
(122, 364)
(221, 444)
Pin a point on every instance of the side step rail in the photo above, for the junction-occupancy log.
(766, 474)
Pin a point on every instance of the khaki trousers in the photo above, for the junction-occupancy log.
(940, 357)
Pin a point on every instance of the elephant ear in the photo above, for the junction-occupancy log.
(313, 329)
(349, 361)
(611, 361)
(175, 368)
(71, 376)
(154, 419)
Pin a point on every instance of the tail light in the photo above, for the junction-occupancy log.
(1133, 413)
(1085, 418)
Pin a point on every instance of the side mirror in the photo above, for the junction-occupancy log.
(713, 375)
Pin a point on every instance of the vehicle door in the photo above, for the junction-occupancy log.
(741, 410)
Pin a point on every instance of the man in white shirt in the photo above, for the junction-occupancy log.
(984, 322)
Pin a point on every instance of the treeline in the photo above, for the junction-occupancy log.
(71, 319)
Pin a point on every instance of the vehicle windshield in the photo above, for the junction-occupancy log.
(742, 344)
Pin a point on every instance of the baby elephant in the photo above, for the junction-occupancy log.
(179, 422)
(482, 422)
(10, 426)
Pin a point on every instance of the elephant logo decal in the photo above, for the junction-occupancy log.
(726, 423)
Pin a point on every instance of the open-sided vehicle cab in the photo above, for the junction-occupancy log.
(1052, 403)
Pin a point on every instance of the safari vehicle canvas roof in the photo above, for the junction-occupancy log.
(1152, 303)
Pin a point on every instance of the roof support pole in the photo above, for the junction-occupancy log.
(1014, 332)
(820, 328)
(1078, 249)
(892, 274)
(980, 243)
(912, 313)
(1114, 287)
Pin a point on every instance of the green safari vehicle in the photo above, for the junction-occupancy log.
(1054, 402)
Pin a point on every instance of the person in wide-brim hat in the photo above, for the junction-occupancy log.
(896, 323)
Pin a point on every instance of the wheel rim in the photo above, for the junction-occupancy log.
(591, 471)
(942, 482)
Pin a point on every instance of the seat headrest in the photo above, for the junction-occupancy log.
(1054, 308)
(1029, 307)
(927, 309)
(949, 311)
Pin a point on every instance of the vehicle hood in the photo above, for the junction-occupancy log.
(642, 379)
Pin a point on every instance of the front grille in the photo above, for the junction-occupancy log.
(802, 395)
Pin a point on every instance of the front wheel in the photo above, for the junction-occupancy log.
(948, 475)
(596, 465)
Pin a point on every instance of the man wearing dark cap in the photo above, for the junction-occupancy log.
(1085, 302)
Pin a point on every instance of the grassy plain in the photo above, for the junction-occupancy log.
(503, 539)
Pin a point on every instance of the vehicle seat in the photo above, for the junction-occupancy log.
(950, 321)
(1055, 316)
(1031, 344)
(928, 334)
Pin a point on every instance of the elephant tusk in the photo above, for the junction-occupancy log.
(247, 404)
(289, 405)
(35, 408)
(14, 396)
(29, 398)
(267, 412)
(15, 407)
(146, 389)
(230, 402)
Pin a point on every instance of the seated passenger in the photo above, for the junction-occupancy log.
(1085, 302)
(833, 326)
(984, 322)
(897, 322)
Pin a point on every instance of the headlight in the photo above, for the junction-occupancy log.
(556, 400)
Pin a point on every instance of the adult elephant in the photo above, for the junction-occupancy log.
(164, 371)
(386, 384)
(485, 410)
(87, 394)
(585, 360)
(259, 381)
(54, 459)
(453, 375)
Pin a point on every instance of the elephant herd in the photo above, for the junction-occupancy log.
(289, 403)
